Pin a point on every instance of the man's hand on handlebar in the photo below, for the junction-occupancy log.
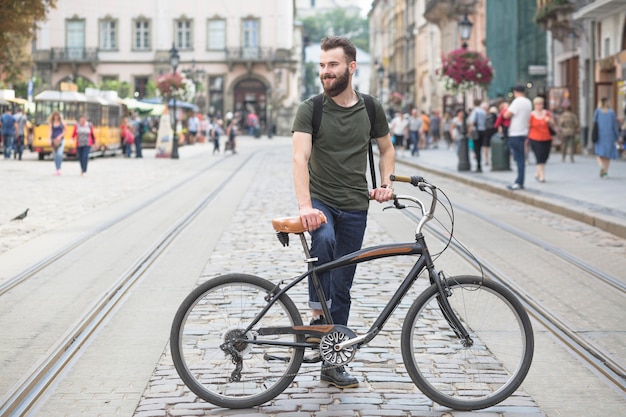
(382, 193)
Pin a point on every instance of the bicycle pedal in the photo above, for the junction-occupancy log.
(314, 357)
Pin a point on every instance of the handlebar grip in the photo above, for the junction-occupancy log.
(413, 180)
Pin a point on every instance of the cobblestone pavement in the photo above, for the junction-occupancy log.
(385, 389)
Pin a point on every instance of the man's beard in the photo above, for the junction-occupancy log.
(340, 84)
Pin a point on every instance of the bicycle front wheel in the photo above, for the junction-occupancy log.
(221, 362)
(468, 376)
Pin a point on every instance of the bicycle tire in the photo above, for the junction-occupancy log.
(208, 316)
(475, 377)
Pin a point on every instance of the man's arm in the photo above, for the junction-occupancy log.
(302, 146)
(386, 165)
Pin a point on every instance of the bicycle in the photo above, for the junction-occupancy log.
(238, 341)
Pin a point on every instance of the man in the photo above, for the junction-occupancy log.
(139, 127)
(519, 113)
(329, 178)
(415, 127)
(21, 120)
(9, 127)
(568, 126)
(193, 124)
(476, 129)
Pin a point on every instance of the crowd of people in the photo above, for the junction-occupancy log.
(526, 126)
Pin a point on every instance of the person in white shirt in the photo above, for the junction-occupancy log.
(519, 113)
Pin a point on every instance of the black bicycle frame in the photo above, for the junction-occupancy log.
(364, 255)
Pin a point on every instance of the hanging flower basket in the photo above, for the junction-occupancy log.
(395, 98)
(175, 85)
(462, 69)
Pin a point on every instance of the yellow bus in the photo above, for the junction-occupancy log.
(102, 112)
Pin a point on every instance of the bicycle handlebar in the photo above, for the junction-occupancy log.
(422, 184)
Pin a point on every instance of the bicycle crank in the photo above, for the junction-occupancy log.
(329, 350)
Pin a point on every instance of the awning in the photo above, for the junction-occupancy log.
(179, 104)
(600, 9)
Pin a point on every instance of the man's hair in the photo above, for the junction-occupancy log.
(346, 44)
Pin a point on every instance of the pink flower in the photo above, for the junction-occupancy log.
(462, 69)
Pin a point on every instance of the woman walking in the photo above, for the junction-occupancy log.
(540, 137)
(608, 134)
(57, 139)
(83, 134)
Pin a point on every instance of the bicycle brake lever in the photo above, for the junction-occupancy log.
(397, 203)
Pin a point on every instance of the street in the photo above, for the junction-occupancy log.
(125, 367)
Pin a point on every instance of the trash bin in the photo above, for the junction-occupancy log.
(500, 157)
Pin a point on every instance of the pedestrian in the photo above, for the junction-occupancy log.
(434, 130)
(519, 113)
(128, 136)
(415, 130)
(540, 136)
(476, 129)
(568, 127)
(608, 134)
(85, 138)
(329, 178)
(425, 130)
(490, 130)
(399, 129)
(231, 135)
(193, 125)
(21, 122)
(216, 132)
(140, 127)
(457, 131)
(503, 124)
(57, 139)
(8, 132)
(253, 123)
(445, 126)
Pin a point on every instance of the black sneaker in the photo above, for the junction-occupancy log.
(313, 338)
(338, 376)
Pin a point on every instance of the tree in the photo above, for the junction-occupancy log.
(337, 22)
(18, 20)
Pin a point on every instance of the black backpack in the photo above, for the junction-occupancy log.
(316, 121)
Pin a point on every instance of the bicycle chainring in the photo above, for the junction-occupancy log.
(328, 343)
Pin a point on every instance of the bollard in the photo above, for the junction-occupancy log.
(500, 157)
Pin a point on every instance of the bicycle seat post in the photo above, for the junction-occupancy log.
(305, 248)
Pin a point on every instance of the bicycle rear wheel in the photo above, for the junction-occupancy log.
(211, 351)
(472, 377)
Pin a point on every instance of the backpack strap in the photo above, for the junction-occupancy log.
(370, 107)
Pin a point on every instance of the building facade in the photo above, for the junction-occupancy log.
(243, 56)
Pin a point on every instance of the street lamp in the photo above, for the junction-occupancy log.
(381, 76)
(174, 60)
(465, 29)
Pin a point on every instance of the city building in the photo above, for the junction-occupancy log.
(243, 56)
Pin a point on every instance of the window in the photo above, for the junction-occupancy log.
(108, 35)
(183, 34)
(250, 38)
(217, 34)
(75, 36)
(141, 35)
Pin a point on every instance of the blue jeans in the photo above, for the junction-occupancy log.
(342, 234)
(18, 146)
(8, 145)
(516, 144)
(58, 155)
(415, 136)
(82, 152)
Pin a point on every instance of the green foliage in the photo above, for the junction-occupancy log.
(151, 89)
(337, 22)
(18, 18)
(83, 83)
(123, 88)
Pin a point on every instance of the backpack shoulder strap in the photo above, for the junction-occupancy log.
(371, 110)
(316, 119)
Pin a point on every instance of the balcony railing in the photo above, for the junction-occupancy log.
(67, 55)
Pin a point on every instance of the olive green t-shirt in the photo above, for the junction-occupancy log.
(338, 163)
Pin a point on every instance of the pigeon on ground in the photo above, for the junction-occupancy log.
(20, 216)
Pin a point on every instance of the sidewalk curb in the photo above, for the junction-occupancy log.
(604, 222)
